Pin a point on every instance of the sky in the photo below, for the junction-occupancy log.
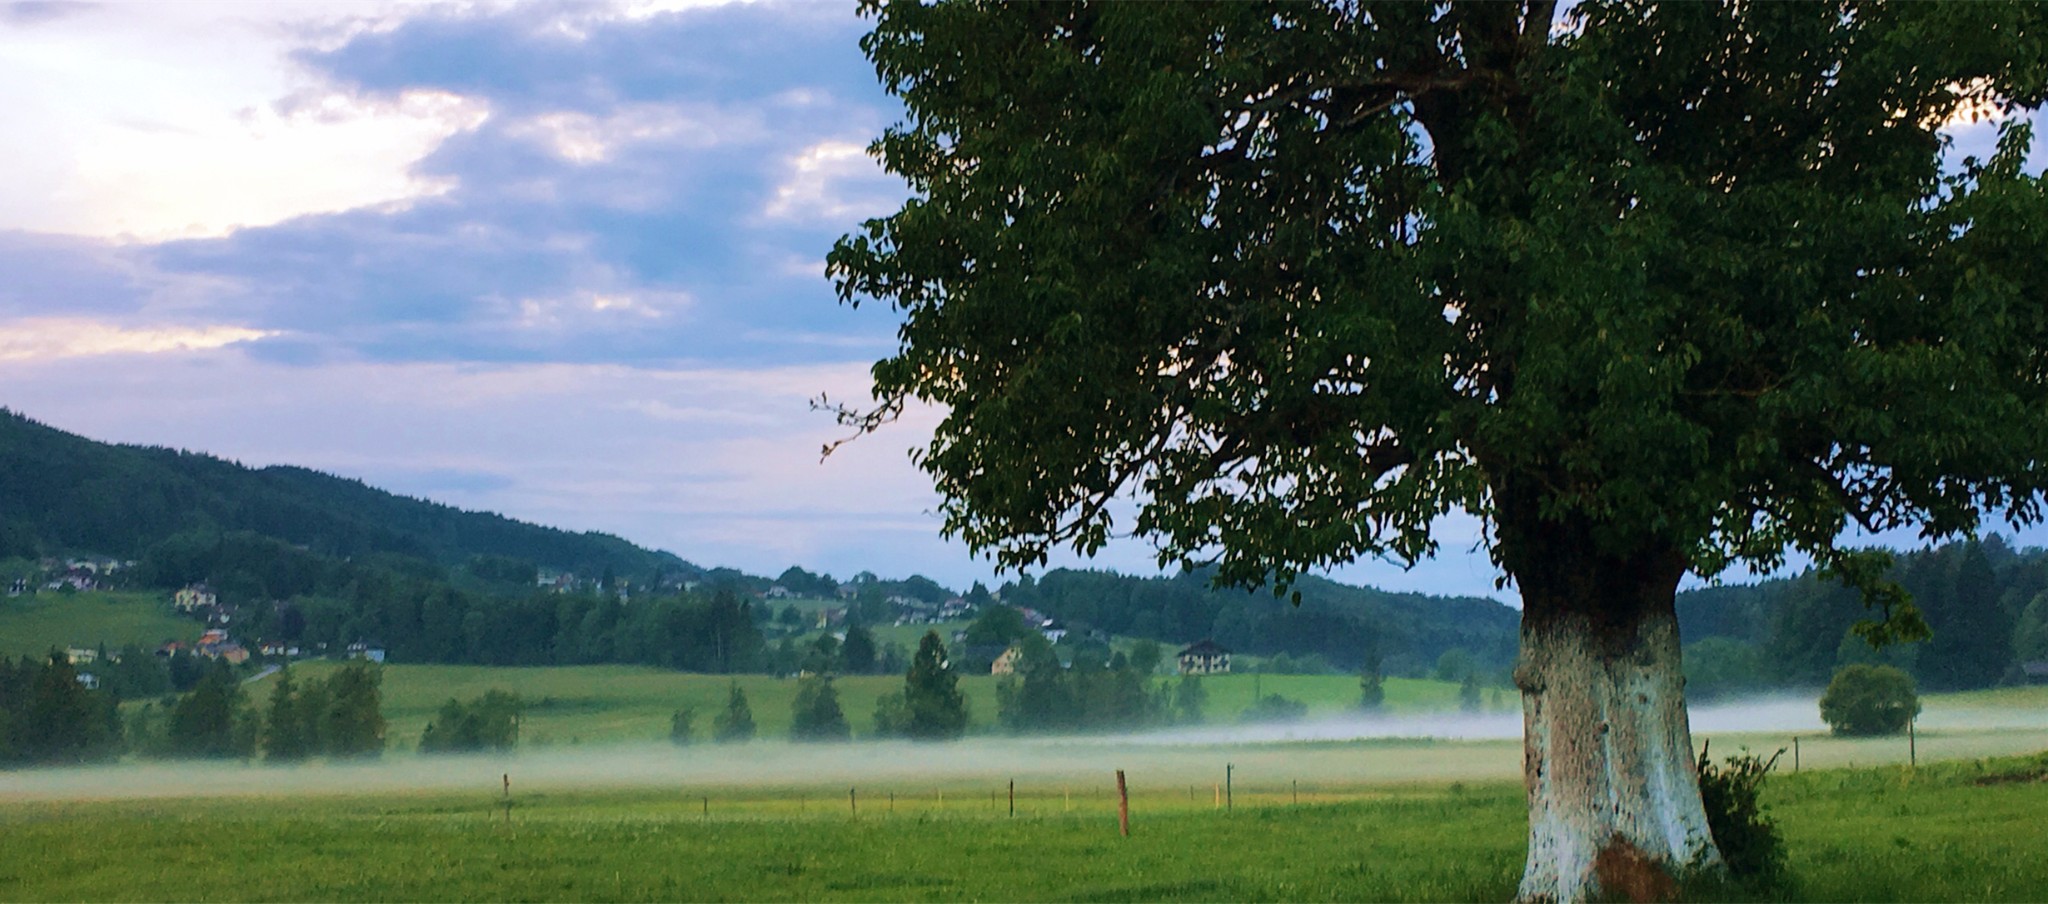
(559, 261)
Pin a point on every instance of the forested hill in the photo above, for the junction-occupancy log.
(1987, 604)
(64, 493)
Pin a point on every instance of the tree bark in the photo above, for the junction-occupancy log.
(1614, 799)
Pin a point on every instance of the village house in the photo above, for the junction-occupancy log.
(193, 598)
(82, 655)
(1006, 664)
(361, 650)
(1205, 657)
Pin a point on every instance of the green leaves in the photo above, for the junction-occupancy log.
(1290, 282)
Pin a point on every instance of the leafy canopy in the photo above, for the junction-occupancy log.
(1679, 283)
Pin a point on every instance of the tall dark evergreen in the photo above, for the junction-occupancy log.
(203, 723)
(287, 730)
(857, 652)
(351, 724)
(934, 708)
(735, 723)
(815, 714)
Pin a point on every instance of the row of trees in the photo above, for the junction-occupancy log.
(49, 717)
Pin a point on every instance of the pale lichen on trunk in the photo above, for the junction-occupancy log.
(1614, 802)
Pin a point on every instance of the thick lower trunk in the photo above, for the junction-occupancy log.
(1614, 799)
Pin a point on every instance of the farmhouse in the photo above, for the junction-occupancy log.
(1006, 664)
(1205, 657)
(194, 598)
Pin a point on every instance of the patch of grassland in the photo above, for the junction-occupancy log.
(610, 703)
(33, 625)
(1960, 831)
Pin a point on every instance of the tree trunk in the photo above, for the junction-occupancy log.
(1614, 799)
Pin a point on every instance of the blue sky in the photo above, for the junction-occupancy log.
(561, 261)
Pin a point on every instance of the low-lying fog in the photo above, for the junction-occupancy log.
(1347, 752)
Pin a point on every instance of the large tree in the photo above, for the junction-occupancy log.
(1650, 289)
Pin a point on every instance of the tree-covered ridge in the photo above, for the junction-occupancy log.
(64, 493)
(1986, 603)
(1344, 625)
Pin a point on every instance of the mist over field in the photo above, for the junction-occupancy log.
(1390, 749)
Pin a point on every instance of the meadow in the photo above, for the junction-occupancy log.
(1962, 830)
(575, 705)
(32, 625)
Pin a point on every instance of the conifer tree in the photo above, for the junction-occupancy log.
(734, 724)
(935, 708)
(815, 714)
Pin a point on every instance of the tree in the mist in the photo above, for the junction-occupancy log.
(1468, 693)
(857, 651)
(1036, 697)
(351, 719)
(682, 727)
(822, 655)
(1145, 657)
(1649, 289)
(815, 714)
(202, 724)
(1372, 680)
(1869, 700)
(1189, 697)
(997, 626)
(933, 707)
(489, 722)
(735, 723)
(286, 735)
(1274, 708)
(51, 718)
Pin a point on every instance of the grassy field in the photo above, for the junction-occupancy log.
(32, 625)
(575, 705)
(1966, 830)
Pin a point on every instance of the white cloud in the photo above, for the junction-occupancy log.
(148, 122)
(44, 338)
(581, 138)
(833, 182)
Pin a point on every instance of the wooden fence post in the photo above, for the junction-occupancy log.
(1123, 805)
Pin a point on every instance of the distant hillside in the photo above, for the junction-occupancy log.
(1341, 623)
(65, 494)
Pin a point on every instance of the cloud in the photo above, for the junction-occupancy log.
(834, 182)
(191, 119)
(36, 12)
(64, 337)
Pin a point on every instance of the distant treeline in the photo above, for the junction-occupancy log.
(1987, 604)
(1344, 626)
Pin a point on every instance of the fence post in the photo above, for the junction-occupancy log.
(1123, 805)
(1013, 798)
(1795, 754)
(1229, 799)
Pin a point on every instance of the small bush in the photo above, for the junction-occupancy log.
(1869, 700)
(1748, 839)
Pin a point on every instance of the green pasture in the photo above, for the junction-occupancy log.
(31, 625)
(1965, 830)
(573, 705)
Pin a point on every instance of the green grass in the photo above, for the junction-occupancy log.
(575, 705)
(1938, 833)
(33, 625)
